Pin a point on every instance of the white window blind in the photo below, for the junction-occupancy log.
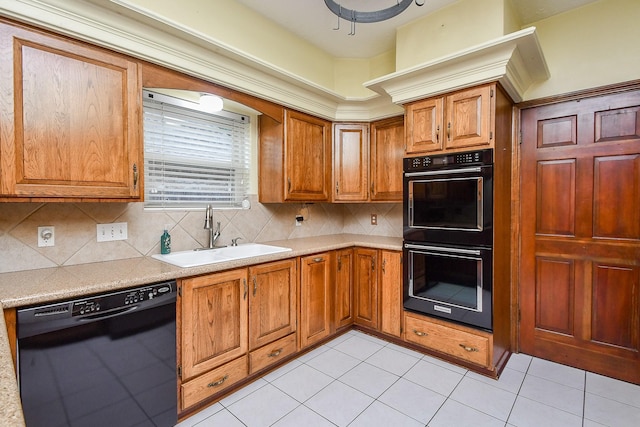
(193, 158)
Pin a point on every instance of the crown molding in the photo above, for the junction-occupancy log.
(515, 60)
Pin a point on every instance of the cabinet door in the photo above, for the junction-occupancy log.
(213, 315)
(315, 298)
(307, 153)
(272, 302)
(365, 288)
(390, 292)
(350, 162)
(387, 150)
(469, 118)
(424, 126)
(343, 303)
(71, 119)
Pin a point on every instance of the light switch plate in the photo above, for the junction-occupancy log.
(110, 232)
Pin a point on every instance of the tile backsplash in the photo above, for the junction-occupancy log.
(75, 228)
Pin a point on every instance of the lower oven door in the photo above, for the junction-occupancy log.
(452, 283)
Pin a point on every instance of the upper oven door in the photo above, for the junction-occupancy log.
(449, 206)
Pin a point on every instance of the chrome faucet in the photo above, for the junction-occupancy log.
(214, 234)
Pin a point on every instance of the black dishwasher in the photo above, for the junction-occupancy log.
(103, 360)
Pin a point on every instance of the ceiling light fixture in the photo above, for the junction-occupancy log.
(354, 16)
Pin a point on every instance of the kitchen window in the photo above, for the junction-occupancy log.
(193, 158)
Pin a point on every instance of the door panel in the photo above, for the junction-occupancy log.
(580, 234)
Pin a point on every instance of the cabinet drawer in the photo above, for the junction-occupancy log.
(213, 382)
(446, 339)
(271, 353)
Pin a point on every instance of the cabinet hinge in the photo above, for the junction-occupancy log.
(339, 262)
(519, 315)
(491, 93)
(179, 291)
(180, 371)
(520, 137)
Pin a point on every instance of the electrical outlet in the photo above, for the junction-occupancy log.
(110, 232)
(46, 236)
(374, 219)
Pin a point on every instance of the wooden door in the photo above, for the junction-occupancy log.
(580, 261)
(71, 119)
(387, 150)
(307, 153)
(343, 302)
(365, 288)
(424, 126)
(350, 162)
(272, 302)
(315, 298)
(390, 283)
(213, 318)
(469, 118)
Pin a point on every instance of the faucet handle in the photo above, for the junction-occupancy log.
(234, 242)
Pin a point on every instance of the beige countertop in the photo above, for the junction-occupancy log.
(49, 284)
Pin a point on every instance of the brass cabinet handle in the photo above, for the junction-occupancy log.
(255, 286)
(438, 133)
(420, 333)
(337, 187)
(246, 289)
(219, 382)
(449, 131)
(373, 264)
(469, 349)
(318, 259)
(289, 185)
(135, 176)
(275, 353)
(384, 264)
(339, 262)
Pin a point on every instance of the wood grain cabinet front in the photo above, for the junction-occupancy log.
(315, 298)
(213, 382)
(70, 119)
(458, 121)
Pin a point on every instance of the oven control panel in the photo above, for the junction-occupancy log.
(480, 157)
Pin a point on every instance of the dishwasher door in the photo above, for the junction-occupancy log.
(106, 360)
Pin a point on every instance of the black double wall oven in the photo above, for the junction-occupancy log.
(448, 236)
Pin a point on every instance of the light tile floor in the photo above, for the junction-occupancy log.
(360, 380)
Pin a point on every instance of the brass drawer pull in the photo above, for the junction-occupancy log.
(469, 349)
(275, 353)
(318, 259)
(219, 382)
(419, 333)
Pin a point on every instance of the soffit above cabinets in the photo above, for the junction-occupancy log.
(515, 60)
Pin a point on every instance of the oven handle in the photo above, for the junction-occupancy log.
(443, 249)
(443, 172)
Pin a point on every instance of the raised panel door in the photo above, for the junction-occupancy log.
(579, 270)
(315, 298)
(272, 302)
(468, 118)
(213, 318)
(387, 150)
(390, 283)
(71, 119)
(424, 126)
(350, 162)
(343, 302)
(307, 153)
(365, 288)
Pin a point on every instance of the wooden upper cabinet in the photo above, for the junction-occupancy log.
(315, 298)
(272, 301)
(307, 154)
(455, 122)
(213, 321)
(386, 152)
(70, 118)
(350, 162)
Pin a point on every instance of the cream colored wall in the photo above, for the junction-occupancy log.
(235, 25)
(459, 26)
(592, 46)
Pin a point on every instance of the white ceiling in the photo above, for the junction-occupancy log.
(313, 21)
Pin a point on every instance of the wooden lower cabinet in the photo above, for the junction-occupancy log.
(390, 293)
(470, 345)
(213, 382)
(315, 298)
(365, 288)
(343, 290)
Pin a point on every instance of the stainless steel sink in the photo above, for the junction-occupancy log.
(210, 256)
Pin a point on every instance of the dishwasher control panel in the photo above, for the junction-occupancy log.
(123, 299)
